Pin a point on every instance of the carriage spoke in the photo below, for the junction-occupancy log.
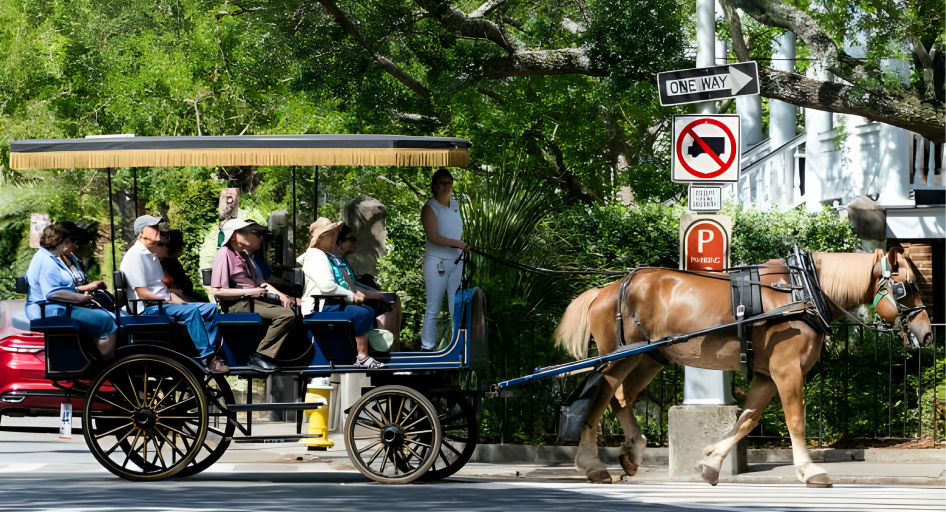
(172, 445)
(172, 429)
(450, 446)
(384, 459)
(399, 409)
(412, 440)
(456, 438)
(444, 457)
(447, 423)
(361, 423)
(174, 406)
(100, 436)
(133, 391)
(157, 449)
(418, 420)
(155, 393)
(370, 446)
(373, 417)
(100, 399)
(169, 393)
(408, 448)
(375, 456)
(131, 449)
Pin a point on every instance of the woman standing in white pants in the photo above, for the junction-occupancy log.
(444, 228)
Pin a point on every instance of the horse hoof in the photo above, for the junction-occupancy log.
(599, 476)
(710, 475)
(819, 481)
(629, 467)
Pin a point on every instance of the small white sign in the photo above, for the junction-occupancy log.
(65, 421)
(703, 198)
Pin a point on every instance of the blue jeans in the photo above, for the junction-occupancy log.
(201, 321)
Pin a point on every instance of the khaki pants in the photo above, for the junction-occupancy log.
(285, 338)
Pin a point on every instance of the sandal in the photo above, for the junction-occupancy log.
(369, 363)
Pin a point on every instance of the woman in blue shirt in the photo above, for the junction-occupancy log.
(50, 280)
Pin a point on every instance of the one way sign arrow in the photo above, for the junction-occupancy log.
(708, 84)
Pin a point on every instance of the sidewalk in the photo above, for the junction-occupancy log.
(866, 467)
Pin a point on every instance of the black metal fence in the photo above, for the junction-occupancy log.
(865, 385)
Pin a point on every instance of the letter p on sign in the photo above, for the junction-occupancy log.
(704, 236)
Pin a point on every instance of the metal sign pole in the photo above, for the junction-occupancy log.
(111, 216)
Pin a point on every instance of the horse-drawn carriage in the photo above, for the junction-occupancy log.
(155, 411)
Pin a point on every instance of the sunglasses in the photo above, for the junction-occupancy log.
(162, 244)
(442, 183)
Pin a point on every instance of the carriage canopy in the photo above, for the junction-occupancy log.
(101, 152)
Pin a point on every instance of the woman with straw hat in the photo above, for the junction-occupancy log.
(322, 277)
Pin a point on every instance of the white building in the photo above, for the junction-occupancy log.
(836, 158)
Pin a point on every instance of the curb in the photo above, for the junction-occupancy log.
(551, 454)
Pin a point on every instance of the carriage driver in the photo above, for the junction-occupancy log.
(143, 273)
(236, 278)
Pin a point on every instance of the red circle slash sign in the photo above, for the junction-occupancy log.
(723, 166)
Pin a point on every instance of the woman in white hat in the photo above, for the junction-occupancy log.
(322, 277)
(235, 278)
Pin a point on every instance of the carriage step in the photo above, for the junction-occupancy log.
(275, 439)
(282, 406)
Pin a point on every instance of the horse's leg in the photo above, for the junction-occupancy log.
(632, 450)
(759, 395)
(587, 457)
(789, 378)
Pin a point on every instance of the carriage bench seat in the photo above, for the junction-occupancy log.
(333, 334)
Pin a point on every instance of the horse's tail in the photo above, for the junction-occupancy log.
(574, 331)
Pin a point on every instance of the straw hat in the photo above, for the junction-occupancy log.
(323, 227)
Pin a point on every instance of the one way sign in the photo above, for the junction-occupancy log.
(708, 84)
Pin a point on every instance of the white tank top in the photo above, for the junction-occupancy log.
(449, 225)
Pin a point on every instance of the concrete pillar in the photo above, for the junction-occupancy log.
(781, 114)
(706, 44)
(895, 153)
(817, 122)
(367, 218)
(749, 109)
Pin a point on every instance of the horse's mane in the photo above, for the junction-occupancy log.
(846, 277)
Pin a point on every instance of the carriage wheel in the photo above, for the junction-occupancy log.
(141, 404)
(220, 428)
(393, 435)
(460, 432)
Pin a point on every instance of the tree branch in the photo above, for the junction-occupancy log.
(735, 25)
(776, 13)
(569, 61)
(904, 109)
(484, 10)
(456, 21)
(390, 67)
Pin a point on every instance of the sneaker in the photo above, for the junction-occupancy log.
(380, 340)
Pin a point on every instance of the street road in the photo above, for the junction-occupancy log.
(39, 472)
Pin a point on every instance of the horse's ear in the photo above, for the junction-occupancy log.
(892, 258)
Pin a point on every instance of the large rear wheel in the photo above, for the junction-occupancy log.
(393, 435)
(460, 432)
(220, 428)
(135, 416)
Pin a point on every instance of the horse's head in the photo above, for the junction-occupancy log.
(897, 297)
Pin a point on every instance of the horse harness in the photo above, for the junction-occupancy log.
(808, 302)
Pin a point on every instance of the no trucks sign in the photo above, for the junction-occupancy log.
(705, 148)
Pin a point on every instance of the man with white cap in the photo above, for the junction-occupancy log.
(236, 278)
(143, 273)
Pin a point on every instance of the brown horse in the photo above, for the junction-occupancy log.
(666, 302)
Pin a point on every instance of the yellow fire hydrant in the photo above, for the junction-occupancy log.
(319, 390)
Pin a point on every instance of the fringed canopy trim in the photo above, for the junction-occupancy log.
(240, 151)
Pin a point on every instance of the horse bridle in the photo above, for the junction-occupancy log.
(895, 292)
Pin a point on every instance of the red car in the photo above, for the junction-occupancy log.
(24, 390)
